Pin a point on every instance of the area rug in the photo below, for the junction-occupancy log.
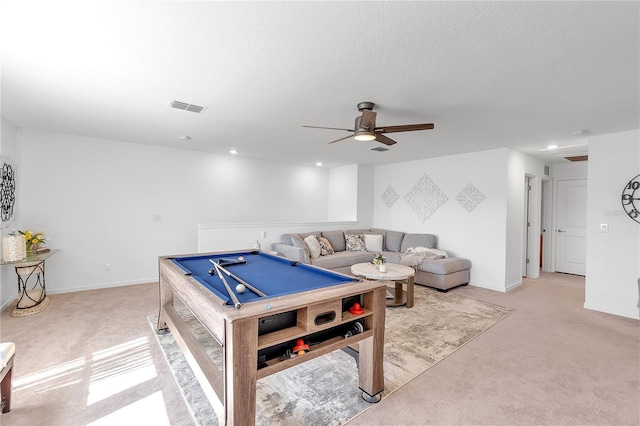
(324, 391)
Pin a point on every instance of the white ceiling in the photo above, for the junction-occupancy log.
(488, 74)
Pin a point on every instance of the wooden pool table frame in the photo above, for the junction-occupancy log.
(232, 392)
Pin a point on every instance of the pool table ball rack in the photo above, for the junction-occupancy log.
(319, 301)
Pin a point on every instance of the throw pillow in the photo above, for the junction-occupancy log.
(394, 240)
(313, 245)
(373, 242)
(296, 241)
(336, 239)
(325, 246)
(355, 242)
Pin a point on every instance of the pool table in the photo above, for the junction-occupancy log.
(259, 330)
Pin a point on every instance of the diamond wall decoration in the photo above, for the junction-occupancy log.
(425, 198)
(390, 196)
(470, 197)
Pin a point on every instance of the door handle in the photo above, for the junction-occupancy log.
(560, 230)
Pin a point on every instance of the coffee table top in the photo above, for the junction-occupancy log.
(394, 271)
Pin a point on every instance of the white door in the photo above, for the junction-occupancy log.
(571, 230)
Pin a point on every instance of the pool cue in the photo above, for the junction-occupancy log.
(236, 302)
(240, 280)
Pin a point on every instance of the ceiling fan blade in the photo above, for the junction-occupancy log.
(383, 139)
(368, 120)
(404, 128)
(341, 139)
(330, 128)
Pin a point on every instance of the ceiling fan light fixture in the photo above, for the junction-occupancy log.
(364, 136)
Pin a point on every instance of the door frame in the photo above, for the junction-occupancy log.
(548, 225)
(532, 212)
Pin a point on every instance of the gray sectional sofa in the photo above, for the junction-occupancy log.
(441, 274)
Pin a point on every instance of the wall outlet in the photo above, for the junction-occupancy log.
(264, 234)
(604, 227)
(107, 267)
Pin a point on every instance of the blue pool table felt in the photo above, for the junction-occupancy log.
(273, 275)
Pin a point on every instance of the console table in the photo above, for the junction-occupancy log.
(32, 291)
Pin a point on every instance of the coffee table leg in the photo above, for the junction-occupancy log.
(397, 297)
(410, 292)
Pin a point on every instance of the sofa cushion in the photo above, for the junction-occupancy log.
(373, 242)
(394, 240)
(286, 239)
(336, 239)
(313, 245)
(297, 241)
(418, 240)
(445, 266)
(393, 256)
(358, 231)
(343, 259)
(355, 242)
(306, 234)
(325, 246)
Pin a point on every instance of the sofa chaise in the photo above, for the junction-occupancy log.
(339, 250)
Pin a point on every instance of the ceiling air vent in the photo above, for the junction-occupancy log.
(379, 149)
(186, 107)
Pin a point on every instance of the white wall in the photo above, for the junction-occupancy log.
(575, 170)
(343, 193)
(365, 195)
(519, 166)
(480, 235)
(125, 204)
(613, 258)
(8, 147)
(239, 236)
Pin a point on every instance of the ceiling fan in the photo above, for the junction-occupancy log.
(365, 127)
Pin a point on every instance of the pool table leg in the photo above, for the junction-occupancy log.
(5, 390)
(371, 371)
(166, 298)
(240, 364)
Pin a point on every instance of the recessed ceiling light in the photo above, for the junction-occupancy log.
(552, 146)
(233, 151)
(319, 164)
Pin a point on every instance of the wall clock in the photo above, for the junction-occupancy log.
(631, 198)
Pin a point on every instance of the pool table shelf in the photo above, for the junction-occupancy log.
(292, 333)
(327, 346)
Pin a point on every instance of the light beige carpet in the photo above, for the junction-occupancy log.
(324, 391)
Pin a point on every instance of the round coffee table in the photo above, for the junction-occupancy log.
(399, 274)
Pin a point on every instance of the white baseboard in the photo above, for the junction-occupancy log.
(103, 285)
(513, 285)
(629, 313)
(12, 300)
